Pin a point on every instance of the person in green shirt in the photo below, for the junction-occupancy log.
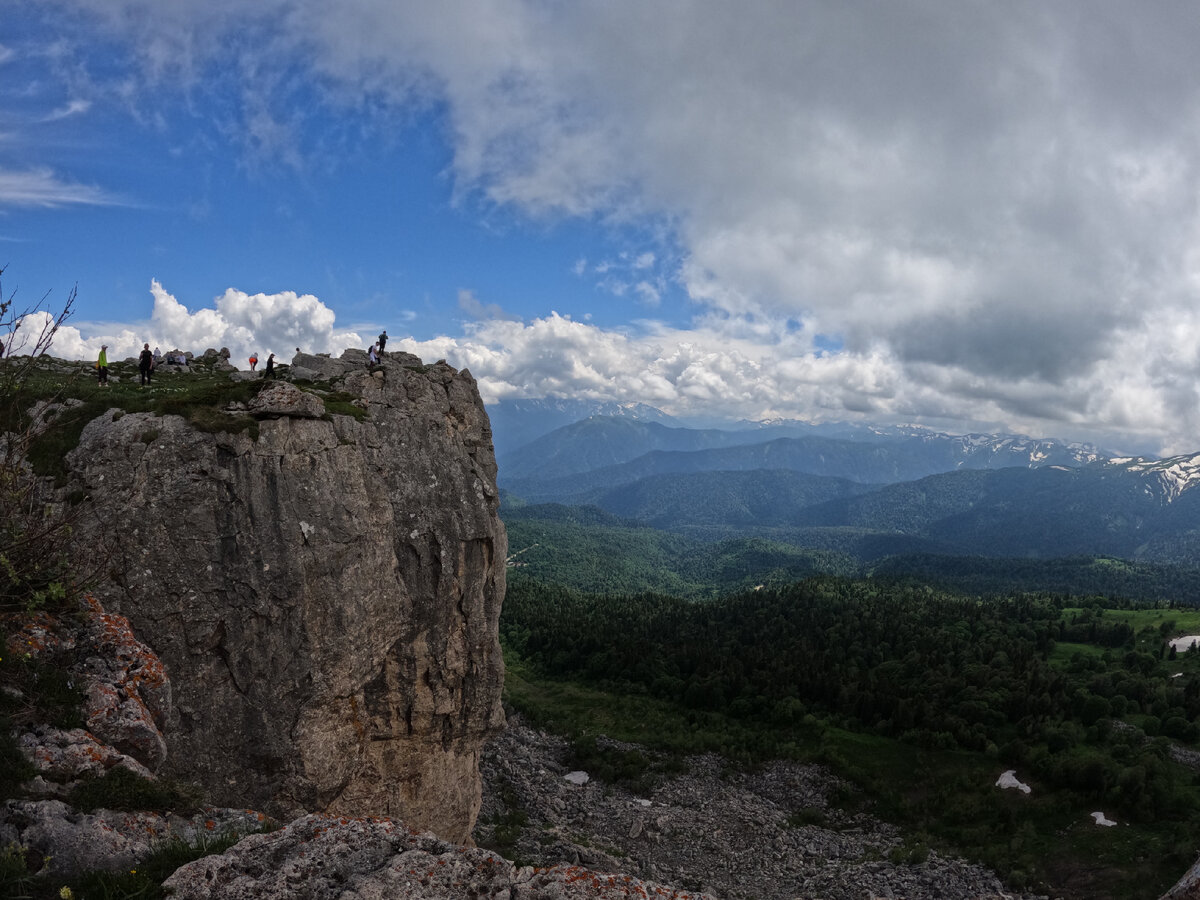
(102, 365)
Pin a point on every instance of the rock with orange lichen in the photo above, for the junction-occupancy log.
(70, 842)
(319, 857)
(66, 755)
(128, 696)
(126, 693)
(36, 635)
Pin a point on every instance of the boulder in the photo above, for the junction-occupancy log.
(70, 842)
(317, 857)
(319, 368)
(283, 399)
(68, 754)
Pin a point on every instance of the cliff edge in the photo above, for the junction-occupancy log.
(323, 588)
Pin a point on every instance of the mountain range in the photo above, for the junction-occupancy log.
(871, 492)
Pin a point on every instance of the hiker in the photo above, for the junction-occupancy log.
(102, 365)
(145, 364)
(371, 356)
(270, 373)
(157, 356)
(253, 361)
(382, 340)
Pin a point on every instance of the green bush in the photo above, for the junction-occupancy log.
(142, 881)
(810, 815)
(39, 691)
(15, 880)
(909, 853)
(120, 788)
(15, 769)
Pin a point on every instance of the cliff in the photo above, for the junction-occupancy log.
(323, 589)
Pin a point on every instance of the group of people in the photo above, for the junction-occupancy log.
(148, 360)
(376, 349)
(269, 371)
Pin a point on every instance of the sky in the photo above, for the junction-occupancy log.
(977, 216)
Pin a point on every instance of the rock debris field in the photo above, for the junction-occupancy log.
(724, 834)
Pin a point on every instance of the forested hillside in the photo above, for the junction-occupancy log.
(902, 607)
(1080, 695)
(1051, 512)
(591, 550)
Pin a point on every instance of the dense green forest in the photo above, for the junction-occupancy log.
(589, 549)
(1080, 694)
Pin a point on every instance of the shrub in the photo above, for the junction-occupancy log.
(15, 769)
(122, 789)
(34, 533)
(15, 880)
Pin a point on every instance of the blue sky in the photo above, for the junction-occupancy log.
(971, 216)
(373, 226)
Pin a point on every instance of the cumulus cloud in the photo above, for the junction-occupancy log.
(751, 370)
(712, 372)
(243, 323)
(990, 210)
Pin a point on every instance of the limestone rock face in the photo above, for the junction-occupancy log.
(325, 596)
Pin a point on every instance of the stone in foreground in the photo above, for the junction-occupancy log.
(321, 858)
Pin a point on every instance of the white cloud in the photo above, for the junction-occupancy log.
(243, 323)
(732, 368)
(42, 188)
(649, 294)
(990, 218)
(738, 371)
(73, 108)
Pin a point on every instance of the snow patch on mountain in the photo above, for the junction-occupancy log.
(1168, 478)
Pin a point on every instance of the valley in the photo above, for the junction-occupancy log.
(919, 637)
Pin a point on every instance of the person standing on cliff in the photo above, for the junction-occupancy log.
(102, 366)
(253, 361)
(145, 364)
(382, 340)
(270, 372)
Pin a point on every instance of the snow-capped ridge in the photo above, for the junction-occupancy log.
(1170, 477)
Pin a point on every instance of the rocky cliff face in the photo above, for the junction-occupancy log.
(324, 594)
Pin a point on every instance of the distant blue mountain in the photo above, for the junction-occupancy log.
(602, 453)
(859, 491)
(517, 422)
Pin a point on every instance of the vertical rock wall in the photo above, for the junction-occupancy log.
(325, 597)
